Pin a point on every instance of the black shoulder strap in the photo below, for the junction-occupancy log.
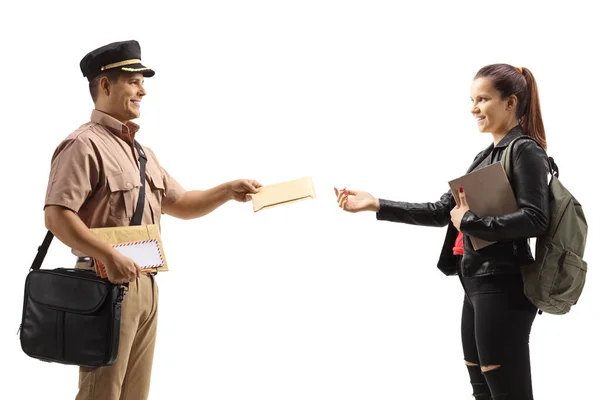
(42, 251)
(136, 220)
(139, 208)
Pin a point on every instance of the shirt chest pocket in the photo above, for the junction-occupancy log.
(124, 189)
(157, 191)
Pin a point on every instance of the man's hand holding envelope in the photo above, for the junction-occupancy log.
(139, 249)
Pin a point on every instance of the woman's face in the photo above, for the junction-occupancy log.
(492, 113)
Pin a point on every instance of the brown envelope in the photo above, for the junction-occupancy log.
(284, 193)
(128, 234)
(489, 194)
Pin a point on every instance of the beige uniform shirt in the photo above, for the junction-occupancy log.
(95, 172)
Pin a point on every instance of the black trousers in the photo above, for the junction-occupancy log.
(495, 327)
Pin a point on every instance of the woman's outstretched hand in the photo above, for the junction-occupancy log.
(355, 201)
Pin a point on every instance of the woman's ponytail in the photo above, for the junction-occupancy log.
(531, 121)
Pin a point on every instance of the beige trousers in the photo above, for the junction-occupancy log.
(129, 377)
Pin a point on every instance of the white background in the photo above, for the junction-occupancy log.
(302, 301)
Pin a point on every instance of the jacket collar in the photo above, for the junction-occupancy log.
(510, 136)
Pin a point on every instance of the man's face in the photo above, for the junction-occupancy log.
(124, 96)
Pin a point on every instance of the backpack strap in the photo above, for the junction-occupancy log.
(553, 166)
(506, 158)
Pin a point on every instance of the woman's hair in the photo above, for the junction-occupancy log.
(509, 80)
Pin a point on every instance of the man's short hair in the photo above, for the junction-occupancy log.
(112, 76)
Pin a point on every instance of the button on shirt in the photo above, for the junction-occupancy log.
(95, 173)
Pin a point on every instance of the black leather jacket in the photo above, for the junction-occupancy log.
(511, 232)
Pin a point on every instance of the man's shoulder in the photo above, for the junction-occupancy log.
(86, 134)
(86, 131)
(80, 140)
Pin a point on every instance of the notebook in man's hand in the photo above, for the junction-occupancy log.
(489, 194)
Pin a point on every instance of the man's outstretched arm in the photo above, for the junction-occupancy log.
(197, 203)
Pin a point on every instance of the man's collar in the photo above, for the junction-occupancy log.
(512, 134)
(125, 131)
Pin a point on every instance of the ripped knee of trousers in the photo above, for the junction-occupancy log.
(488, 368)
(481, 390)
(496, 380)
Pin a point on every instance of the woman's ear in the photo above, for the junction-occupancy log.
(511, 103)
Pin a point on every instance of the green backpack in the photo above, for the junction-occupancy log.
(555, 280)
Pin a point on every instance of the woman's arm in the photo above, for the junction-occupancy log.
(530, 185)
(426, 214)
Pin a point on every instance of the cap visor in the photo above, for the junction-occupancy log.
(139, 68)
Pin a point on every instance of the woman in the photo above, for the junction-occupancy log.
(496, 316)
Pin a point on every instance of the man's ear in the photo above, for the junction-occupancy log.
(104, 86)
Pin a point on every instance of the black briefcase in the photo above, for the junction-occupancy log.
(71, 317)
